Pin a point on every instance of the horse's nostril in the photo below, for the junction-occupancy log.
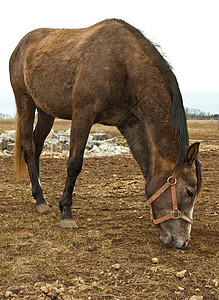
(167, 240)
(185, 244)
(171, 241)
(181, 246)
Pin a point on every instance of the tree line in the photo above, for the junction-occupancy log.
(191, 114)
(6, 116)
(197, 114)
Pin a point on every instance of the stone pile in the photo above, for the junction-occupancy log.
(7, 140)
(98, 144)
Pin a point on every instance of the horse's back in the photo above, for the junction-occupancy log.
(99, 64)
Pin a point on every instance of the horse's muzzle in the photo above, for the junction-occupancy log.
(168, 240)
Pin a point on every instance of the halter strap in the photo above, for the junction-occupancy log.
(175, 214)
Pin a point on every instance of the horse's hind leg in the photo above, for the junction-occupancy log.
(43, 127)
(81, 125)
(26, 112)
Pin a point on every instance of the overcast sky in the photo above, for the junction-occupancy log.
(186, 30)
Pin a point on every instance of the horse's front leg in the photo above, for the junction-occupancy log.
(79, 133)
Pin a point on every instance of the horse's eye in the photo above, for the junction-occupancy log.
(190, 193)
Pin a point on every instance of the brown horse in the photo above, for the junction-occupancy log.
(111, 74)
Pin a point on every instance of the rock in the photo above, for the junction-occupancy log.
(3, 143)
(38, 284)
(95, 149)
(116, 266)
(53, 146)
(155, 260)
(100, 136)
(68, 131)
(180, 288)
(9, 294)
(11, 136)
(196, 298)
(101, 273)
(98, 144)
(154, 269)
(83, 287)
(4, 136)
(64, 138)
(215, 282)
(94, 284)
(89, 145)
(181, 274)
(53, 293)
(61, 132)
(10, 147)
(64, 147)
(104, 146)
(44, 289)
(80, 279)
(14, 289)
(71, 290)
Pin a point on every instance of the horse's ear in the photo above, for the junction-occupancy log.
(192, 153)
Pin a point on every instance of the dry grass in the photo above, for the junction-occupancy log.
(114, 227)
(59, 124)
(9, 124)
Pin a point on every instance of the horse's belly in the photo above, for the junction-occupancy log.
(50, 83)
(53, 102)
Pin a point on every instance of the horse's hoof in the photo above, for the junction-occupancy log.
(68, 223)
(43, 208)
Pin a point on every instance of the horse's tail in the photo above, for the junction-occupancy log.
(20, 167)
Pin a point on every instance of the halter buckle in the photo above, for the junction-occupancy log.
(176, 214)
(171, 180)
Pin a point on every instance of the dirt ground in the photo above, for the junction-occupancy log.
(110, 255)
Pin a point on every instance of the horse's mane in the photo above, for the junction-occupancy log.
(178, 118)
(198, 175)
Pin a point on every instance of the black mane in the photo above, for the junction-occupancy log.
(198, 175)
(178, 120)
(178, 117)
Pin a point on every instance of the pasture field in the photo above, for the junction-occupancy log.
(110, 255)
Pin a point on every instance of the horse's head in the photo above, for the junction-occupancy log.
(172, 203)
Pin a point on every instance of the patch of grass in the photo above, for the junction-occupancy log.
(33, 248)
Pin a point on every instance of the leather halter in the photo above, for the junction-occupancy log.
(176, 213)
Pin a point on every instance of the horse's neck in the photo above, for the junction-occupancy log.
(162, 148)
